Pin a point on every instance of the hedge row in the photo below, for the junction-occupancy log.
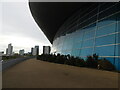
(91, 61)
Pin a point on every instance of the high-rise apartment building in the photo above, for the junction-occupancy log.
(32, 51)
(21, 52)
(46, 49)
(35, 50)
(9, 50)
(6, 51)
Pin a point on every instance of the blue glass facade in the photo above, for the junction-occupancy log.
(94, 30)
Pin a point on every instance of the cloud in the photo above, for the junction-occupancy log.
(14, 1)
(19, 27)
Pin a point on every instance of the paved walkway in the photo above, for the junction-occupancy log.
(34, 73)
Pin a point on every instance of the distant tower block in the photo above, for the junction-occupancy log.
(9, 50)
(46, 49)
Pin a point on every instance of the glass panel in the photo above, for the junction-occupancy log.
(89, 34)
(110, 39)
(79, 35)
(118, 26)
(64, 45)
(106, 30)
(88, 43)
(77, 45)
(108, 20)
(105, 50)
(91, 20)
(86, 51)
(66, 52)
(117, 53)
(75, 52)
(70, 43)
(117, 63)
(91, 27)
(118, 38)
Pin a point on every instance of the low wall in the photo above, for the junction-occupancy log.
(9, 63)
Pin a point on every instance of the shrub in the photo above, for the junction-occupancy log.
(10, 57)
(91, 62)
(60, 59)
(106, 65)
(95, 56)
(63, 59)
(80, 62)
(70, 61)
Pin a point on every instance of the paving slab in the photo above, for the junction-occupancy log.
(34, 73)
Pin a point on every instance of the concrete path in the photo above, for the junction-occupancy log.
(34, 73)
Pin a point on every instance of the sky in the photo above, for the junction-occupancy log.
(18, 27)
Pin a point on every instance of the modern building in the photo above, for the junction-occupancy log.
(81, 29)
(21, 52)
(9, 50)
(1, 54)
(6, 51)
(35, 50)
(46, 49)
(32, 51)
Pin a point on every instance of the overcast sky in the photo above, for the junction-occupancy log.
(19, 27)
